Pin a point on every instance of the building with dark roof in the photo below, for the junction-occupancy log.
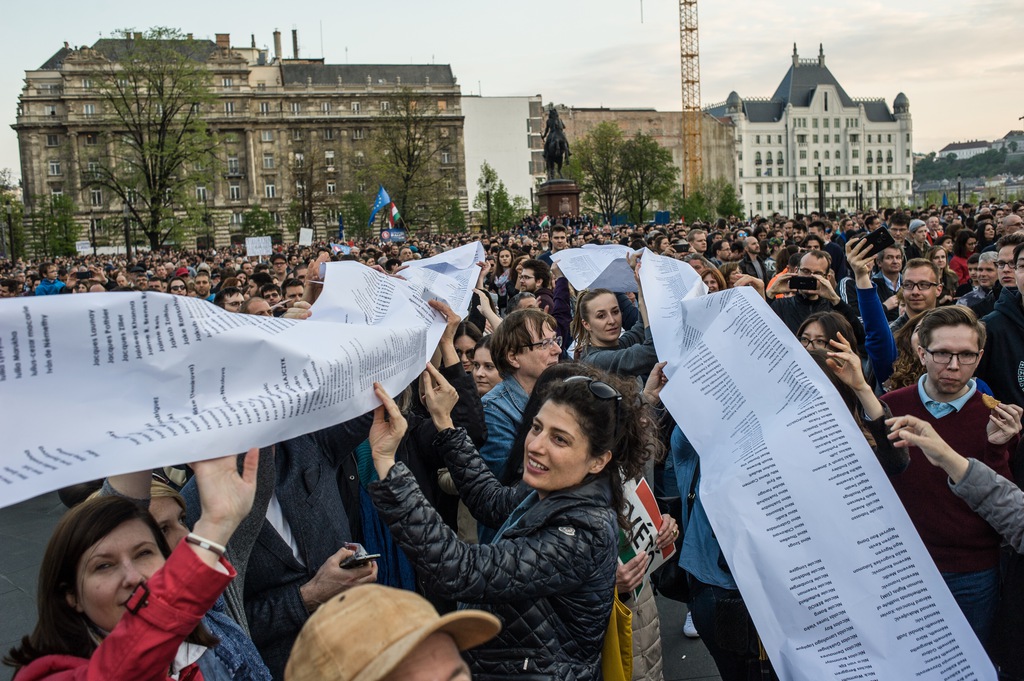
(276, 119)
(964, 150)
(810, 126)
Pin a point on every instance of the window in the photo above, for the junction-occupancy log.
(828, 186)
(200, 193)
(446, 157)
(235, 191)
(757, 172)
(329, 133)
(229, 108)
(888, 170)
(234, 168)
(803, 187)
(96, 197)
(300, 159)
(54, 166)
(814, 138)
(779, 139)
(801, 139)
(757, 139)
(839, 170)
(835, 139)
(89, 109)
(826, 154)
(757, 158)
(869, 139)
(93, 170)
(769, 160)
(266, 135)
(325, 107)
(264, 108)
(854, 139)
(268, 161)
(92, 139)
(355, 107)
(236, 218)
(768, 172)
(359, 158)
(879, 169)
(836, 124)
(86, 83)
(358, 134)
(227, 81)
(803, 170)
(361, 187)
(855, 153)
(837, 155)
(296, 108)
(889, 139)
(385, 106)
(759, 206)
(814, 122)
(269, 189)
(297, 135)
(869, 170)
(856, 170)
(803, 154)
(817, 154)
(824, 123)
(908, 138)
(56, 190)
(442, 105)
(871, 158)
(332, 187)
(769, 205)
(329, 159)
(827, 169)
(778, 158)
(757, 188)
(52, 140)
(888, 184)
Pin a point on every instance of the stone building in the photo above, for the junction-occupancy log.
(666, 127)
(269, 112)
(861, 149)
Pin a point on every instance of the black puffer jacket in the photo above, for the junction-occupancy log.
(549, 579)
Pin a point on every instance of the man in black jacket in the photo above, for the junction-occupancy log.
(796, 308)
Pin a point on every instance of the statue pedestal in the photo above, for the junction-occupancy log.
(557, 197)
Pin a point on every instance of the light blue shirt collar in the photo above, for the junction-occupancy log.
(940, 409)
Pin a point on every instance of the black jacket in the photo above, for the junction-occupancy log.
(1002, 365)
(549, 578)
(795, 309)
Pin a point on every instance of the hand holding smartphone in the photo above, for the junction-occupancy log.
(359, 558)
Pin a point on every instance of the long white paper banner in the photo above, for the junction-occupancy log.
(596, 266)
(831, 568)
(104, 383)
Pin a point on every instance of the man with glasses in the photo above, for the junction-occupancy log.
(1004, 271)
(888, 279)
(229, 298)
(522, 347)
(793, 310)
(964, 547)
(1002, 365)
(921, 290)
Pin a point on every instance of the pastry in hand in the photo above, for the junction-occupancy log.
(990, 401)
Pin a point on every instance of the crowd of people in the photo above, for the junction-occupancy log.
(470, 526)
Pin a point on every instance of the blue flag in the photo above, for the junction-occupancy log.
(341, 227)
(382, 200)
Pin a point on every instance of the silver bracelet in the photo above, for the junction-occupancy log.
(203, 543)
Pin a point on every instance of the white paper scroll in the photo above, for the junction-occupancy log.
(831, 568)
(258, 245)
(595, 266)
(104, 383)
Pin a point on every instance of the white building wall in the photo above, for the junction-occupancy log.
(497, 131)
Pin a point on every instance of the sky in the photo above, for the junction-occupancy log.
(959, 62)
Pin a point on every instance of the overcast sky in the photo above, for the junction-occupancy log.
(960, 63)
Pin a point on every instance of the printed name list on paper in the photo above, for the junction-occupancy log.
(831, 568)
(171, 378)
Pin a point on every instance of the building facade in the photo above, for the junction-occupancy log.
(270, 115)
(964, 150)
(505, 132)
(861, 150)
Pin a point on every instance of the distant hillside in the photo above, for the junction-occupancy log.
(992, 162)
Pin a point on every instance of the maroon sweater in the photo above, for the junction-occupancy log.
(957, 538)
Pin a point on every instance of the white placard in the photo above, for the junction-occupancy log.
(258, 246)
(831, 568)
(83, 246)
(305, 236)
(173, 377)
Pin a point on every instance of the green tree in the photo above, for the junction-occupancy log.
(355, 210)
(729, 202)
(52, 231)
(453, 219)
(311, 170)
(408, 144)
(598, 164)
(505, 210)
(152, 91)
(648, 175)
(13, 226)
(259, 222)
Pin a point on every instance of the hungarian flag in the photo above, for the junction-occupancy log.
(395, 215)
(544, 221)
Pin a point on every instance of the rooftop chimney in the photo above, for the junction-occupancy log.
(277, 44)
(796, 57)
(295, 43)
(252, 38)
(224, 41)
(821, 54)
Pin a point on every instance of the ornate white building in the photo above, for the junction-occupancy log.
(810, 128)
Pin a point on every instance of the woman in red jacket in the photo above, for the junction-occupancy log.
(116, 603)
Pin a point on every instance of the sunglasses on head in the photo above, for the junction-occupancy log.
(602, 391)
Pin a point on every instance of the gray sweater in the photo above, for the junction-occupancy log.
(635, 355)
(994, 498)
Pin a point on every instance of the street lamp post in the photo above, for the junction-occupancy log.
(92, 230)
(488, 212)
(208, 221)
(821, 193)
(959, 188)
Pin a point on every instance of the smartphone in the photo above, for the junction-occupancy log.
(83, 275)
(880, 239)
(358, 560)
(803, 284)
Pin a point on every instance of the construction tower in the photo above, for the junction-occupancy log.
(689, 57)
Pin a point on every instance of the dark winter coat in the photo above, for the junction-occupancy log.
(1002, 365)
(549, 578)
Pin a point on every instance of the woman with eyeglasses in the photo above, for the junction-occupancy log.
(550, 571)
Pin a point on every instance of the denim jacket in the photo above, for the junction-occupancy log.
(236, 653)
(503, 410)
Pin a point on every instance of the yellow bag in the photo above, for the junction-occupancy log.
(617, 653)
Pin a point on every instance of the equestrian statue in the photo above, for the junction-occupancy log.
(556, 146)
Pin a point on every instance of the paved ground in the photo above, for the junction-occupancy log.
(26, 527)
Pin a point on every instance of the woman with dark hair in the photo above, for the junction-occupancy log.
(116, 603)
(467, 335)
(714, 280)
(485, 374)
(965, 244)
(502, 279)
(950, 281)
(551, 567)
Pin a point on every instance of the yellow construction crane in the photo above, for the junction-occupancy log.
(689, 58)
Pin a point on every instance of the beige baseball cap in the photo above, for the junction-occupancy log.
(365, 632)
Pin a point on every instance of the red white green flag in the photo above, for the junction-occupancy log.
(395, 216)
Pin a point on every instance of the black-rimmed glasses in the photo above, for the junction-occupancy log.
(547, 343)
(944, 357)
